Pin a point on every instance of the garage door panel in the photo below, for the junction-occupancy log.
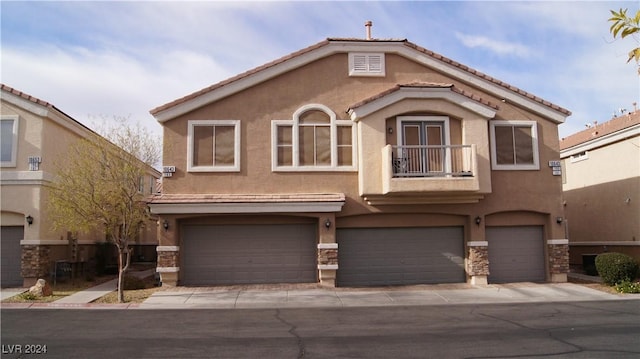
(248, 254)
(516, 254)
(11, 261)
(390, 256)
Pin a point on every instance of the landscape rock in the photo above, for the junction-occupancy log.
(41, 289)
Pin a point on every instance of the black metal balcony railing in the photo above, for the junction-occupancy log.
(432, 161)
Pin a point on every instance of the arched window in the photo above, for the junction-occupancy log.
(314, 140)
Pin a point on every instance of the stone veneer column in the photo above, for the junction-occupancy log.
(168, 265)
(478, 262)
(558, 250)
(168, 252)
(328, 263)
(35, 263)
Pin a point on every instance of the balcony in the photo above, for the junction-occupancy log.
(430, 170)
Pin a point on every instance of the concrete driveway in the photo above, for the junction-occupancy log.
(315, 296)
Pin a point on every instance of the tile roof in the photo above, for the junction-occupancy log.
(247, 198)
(395, 88)
(329, 41)
(40, 102)
(238, 77)
(26, 96)
(600, 130)
(488, 78)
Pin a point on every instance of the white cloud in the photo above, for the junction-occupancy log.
(125, 58)
(89, 84)
(502, 48)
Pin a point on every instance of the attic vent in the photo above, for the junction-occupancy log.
(366, 64)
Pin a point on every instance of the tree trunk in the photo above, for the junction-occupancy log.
(124, 259)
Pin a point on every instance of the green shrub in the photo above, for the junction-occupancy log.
(615, 268)
(28, 296)
(628, 287)
(132, 283)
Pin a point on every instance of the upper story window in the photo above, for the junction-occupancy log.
(8, 140)
(366, 64)
(213, 146)
(514, 145)
(584, 155)
(313, 141)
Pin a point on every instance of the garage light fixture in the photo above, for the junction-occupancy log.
(559, 220)
(478, 220)
(165, 225)
(29, 219)
(327, 223)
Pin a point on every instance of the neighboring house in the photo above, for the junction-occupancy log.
(602, 188)
(357, 163)
(34, 135)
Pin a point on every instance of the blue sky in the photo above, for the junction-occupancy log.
(96, 60)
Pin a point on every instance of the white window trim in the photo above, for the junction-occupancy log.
(236, 150)
(368, 72)
(441, 119)
(534, 136)
(294, 124)
(580, 156)
(14, 149)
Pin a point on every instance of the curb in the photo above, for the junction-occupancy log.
(54, 305)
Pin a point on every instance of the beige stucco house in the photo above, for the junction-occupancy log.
(34, 134)
(602, 187)
(361, 163)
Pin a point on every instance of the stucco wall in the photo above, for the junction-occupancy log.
(327, 82)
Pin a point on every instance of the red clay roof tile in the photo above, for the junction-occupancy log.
(425, 85)
(602, 129)
(328, 41)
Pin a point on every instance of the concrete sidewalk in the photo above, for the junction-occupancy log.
(247, 297)
(93, 293)
(82, 297)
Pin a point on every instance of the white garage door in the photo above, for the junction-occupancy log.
(516, 254)
(397, 256)
(247, 254)
(10, 237)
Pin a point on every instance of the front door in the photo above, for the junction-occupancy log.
(423, 150)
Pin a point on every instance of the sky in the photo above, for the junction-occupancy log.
(100, 60)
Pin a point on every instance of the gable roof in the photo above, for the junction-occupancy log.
(336, 45)
(45, 109)
(42, 108)
(423, 90)
(599, 131)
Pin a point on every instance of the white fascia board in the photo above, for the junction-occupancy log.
(43, 111)
(25, 104)
(244, 83)
(421, 93)
(472, 79)
(601, 141)
(333, 47)
(400, 49)
(276, 207)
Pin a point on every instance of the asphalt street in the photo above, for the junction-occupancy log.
(593, 329)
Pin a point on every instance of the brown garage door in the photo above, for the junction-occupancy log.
(516, 254)
(10, 237)
(397, 256)
(246, 254)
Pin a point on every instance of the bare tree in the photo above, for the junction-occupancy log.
(98, 187)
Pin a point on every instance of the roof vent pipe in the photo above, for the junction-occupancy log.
(368, 26)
